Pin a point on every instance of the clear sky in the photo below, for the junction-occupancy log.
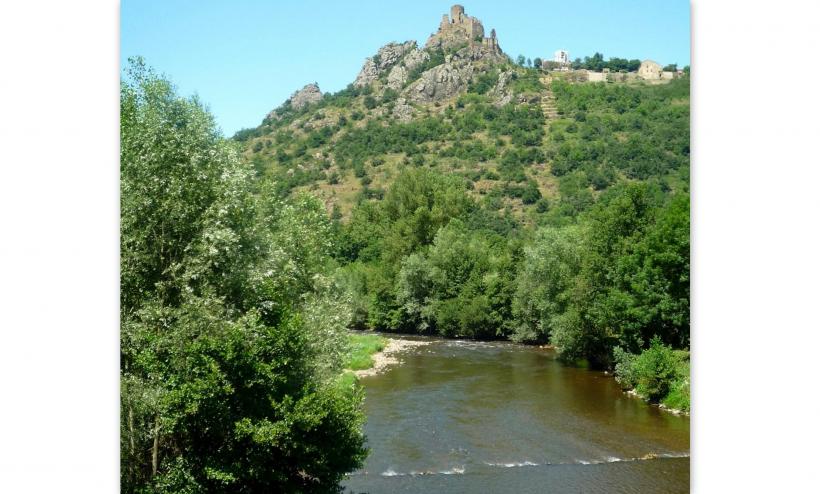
(245, 57)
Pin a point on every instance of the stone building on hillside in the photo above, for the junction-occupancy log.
(649, 70)
(458, 17)
(459, 28)
(491, 42)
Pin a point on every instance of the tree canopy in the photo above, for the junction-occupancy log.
(228, 315)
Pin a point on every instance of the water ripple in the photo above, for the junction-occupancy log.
(459, 470)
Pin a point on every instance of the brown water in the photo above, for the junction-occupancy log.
(460, 417)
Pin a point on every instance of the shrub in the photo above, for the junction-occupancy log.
(658, 374)
(358, 170)
(678, 397)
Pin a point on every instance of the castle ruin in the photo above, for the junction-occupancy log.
(459, 27)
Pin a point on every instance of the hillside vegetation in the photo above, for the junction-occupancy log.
(481, 217)
(511, 158)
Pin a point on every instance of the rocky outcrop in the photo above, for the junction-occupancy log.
(402, 111)
(502, 93)
(387, 56)
(305, 96)
(476, 53)
(398, 75)
(415, 58)
(298, 100)
(454, 75)
(441, 82)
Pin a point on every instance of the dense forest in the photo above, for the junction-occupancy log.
(245, 261)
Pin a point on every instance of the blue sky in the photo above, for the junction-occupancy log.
(245, 57)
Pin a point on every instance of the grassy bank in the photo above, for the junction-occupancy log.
(362, 348)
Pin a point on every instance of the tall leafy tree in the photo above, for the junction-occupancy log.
(224, 387)
(545, 276)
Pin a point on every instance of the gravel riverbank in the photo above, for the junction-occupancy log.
(389, 355)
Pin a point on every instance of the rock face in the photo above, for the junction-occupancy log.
(402, 111)
(398, 75)
(453, 76)
(502, 93)
(305, 96)
(460, 35)
(441, 82)
(415, 58)
(387, 56)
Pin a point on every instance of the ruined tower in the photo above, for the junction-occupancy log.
(458, 28)
(457, 14)
(445, 22)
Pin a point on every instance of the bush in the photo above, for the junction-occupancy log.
(678, 397)
(658, 374)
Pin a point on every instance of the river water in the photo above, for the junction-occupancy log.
(462, 417)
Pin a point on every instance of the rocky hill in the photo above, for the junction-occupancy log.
(528, 144)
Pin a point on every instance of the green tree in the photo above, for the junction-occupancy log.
(417, 205)
(547, 272)
(226, 385)
(650, 292)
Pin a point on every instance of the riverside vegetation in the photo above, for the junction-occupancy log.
(246, 261)
(234, 331)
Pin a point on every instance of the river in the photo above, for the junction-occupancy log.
(462, 417)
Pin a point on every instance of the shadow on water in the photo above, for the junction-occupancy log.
(495, 417)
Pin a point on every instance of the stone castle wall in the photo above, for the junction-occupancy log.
(459, 27)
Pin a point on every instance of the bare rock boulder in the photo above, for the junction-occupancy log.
(387, 56)
(501, 92)
(397, 77)
(305, 96)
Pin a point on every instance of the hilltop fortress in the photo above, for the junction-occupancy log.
(458, 28)
(454, 56)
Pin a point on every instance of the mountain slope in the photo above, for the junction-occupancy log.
(534, 151)
(477, 198)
